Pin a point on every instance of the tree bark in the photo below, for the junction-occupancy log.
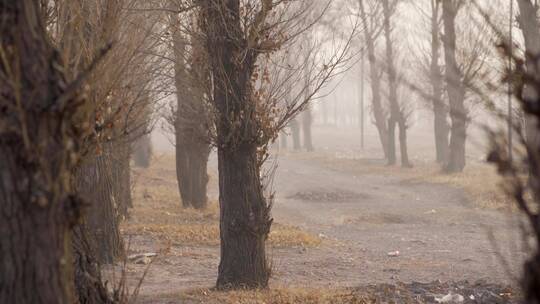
(39, 143)
(95, 183)
(244, 225)
(456, 91)
(87, 277)
(440, 112)
(375, 81)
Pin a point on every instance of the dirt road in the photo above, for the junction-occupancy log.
(361, 217)
(438, 233)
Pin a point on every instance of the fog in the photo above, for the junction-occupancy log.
(269, 152)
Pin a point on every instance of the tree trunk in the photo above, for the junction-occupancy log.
(39, 145)
(192, 147)
(95, 183)
(405, 162)
(182, 167)
(441, 130)
(142, 152)
(199, 175)
(295, 132)
(307, 122)
(244, 213)
(391, 145)
(378, 109)
(35, 267)
(456, 91)
(191, 171)
(396, 115)
(440, 113)
(87, 277)
(244, 224)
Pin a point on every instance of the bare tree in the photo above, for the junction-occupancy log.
(455, 88)
(372, 29)
(429, 62)
(397, 117)
(248, 96)
(191, 123)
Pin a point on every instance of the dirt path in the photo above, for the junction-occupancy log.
(440, 236)
(361, 218)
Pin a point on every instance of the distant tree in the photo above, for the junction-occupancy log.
(294, 125)
(372, 28)
(142, 151)
(431, 68)
(455, 88)
(307, 123)
(192, 125)
(397, 117)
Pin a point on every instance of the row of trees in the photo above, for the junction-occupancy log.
(237, 87)
(79, 82)
(78, 90)
(80, 79)
(442, 65)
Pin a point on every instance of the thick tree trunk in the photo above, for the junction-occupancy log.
(87, 277)
(456, 91)
(440, 113)
(182, 167)
(307, 122)
(39, 144)
(35, 267)
(244, 213)
(376, 101)
(191, 170)
(95, 183)
(192, 147)
(244, 221)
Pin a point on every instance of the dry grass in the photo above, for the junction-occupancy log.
(158, 213)
(275, 296)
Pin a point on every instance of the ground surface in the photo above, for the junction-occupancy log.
(338, 227)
